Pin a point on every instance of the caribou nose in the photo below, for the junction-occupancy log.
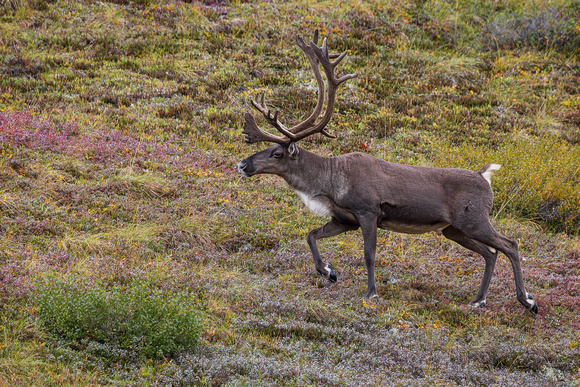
(242, 166)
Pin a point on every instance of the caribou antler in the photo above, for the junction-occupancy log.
(317, 56)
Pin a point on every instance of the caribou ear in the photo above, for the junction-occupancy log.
(293, 150)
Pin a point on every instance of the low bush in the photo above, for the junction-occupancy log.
(550, 28)
(136, 317)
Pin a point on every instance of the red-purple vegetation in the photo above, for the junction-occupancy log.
(18, 276)
(23, 130)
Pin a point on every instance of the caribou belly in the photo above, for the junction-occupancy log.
(412, 228)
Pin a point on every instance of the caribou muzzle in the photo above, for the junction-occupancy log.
(244, 168)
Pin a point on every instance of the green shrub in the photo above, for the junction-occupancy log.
(539, 179)
(553, 28)
(136, 317)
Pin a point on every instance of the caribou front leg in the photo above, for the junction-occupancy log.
(331, 228)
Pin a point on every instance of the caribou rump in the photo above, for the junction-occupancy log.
(357, 190)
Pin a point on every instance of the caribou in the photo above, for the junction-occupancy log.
(356, 190)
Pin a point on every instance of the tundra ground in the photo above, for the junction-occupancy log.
(132, 253)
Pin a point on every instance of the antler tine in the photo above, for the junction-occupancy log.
(272, 120)
(263, 108)
(328, 66)
(255, 134)
(329, 135)
(324, 51)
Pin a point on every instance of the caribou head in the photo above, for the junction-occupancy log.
(275, 159)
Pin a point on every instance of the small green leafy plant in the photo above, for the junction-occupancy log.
(136, 317)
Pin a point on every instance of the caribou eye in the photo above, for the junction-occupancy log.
(277, 155)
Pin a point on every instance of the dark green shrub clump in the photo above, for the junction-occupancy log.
(136, 318)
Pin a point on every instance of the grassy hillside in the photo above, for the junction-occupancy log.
(132, 253)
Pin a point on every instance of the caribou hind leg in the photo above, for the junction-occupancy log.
(331, 228)
(490, 256)
(488, 236)
(368, 224)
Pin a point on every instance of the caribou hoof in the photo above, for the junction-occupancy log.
(529, 303)
(533, 305)
(328, 273)
(478, 304)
